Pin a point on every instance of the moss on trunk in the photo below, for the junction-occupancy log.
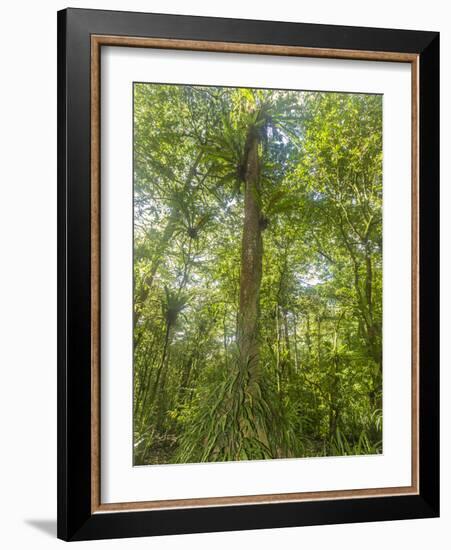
(251, 262)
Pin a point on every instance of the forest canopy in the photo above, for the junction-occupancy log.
(257, 274)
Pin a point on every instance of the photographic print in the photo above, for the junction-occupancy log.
(248, 274)
(257, 317)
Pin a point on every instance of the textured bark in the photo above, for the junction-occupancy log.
(251, 262)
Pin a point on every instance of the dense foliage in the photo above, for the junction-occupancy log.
(257, 274)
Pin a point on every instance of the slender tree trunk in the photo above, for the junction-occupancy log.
(189, 366)
(183, 389)
(162, 399)
(287, 337)
(251, 263)
(146, 381)
(295, 341)
(278, 372)
(319, 344)
(333, 386)
(224, 339)
(373, 331)
(162, 363)
(143, 374)
(308, 338)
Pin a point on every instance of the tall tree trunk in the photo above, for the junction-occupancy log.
(278, 370)
(161, 366)
(319, 343)
(308, 337)
(334, 410)
(286, 331)
(295, 341)
(251, 263)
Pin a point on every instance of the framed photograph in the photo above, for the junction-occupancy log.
(248, 274)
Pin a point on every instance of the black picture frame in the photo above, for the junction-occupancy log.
(75, 518)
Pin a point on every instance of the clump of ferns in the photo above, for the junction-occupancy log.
(270, 121)
(232, 421)
(190, 221)
(172, 304)
(366, 440)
